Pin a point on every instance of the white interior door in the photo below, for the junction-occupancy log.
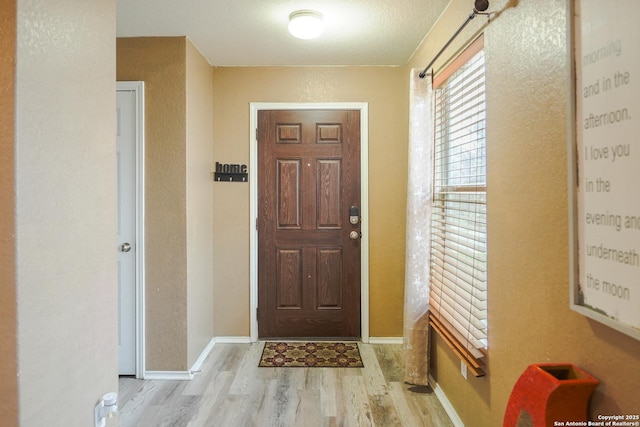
(127, 245)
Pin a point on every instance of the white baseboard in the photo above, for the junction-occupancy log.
(182, 375)
(233, 340)
(200, 360)
(385, 340)
(168, 375)
(446, 404)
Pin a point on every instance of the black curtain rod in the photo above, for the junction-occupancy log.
(479, 7)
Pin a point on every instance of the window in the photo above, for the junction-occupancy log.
(458, 272)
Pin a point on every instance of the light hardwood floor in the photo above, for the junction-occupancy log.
(232, 391)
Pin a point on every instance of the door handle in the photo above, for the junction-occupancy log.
(125, 247)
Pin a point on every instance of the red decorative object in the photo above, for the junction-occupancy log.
(549, 394)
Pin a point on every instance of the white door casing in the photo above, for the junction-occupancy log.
(130, 227)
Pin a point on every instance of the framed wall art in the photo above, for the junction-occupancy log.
(604, 165)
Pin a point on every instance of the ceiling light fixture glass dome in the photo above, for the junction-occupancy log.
(306, 24)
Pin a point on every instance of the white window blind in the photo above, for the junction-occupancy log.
(458, 272)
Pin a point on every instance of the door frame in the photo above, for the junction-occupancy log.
(138, 88)
(363, 107)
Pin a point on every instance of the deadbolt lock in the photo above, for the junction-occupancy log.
(354, 215)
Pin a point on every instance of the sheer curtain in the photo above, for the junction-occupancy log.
(416, 288)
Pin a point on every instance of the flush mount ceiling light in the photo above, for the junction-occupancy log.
(306, 24)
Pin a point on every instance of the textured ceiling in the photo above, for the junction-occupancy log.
(254, 32)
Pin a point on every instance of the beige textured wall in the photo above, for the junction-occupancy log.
(178, 90)
(8, 349)
(65, 178)
(383, 88)
(161, 64)
(199, 203)
(529, 316)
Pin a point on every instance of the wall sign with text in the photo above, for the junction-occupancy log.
(606, 286)
(229, 172)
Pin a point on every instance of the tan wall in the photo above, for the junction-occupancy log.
(8, 349)
(383, 89)
(161, 64)
(178, 115)
(199, 203)
(529, 316)
(65, 192)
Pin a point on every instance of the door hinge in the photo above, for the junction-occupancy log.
(257, 317)
(256, 224)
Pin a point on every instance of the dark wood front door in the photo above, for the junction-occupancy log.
(308, 262)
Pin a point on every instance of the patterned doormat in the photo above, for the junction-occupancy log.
(311, 355)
